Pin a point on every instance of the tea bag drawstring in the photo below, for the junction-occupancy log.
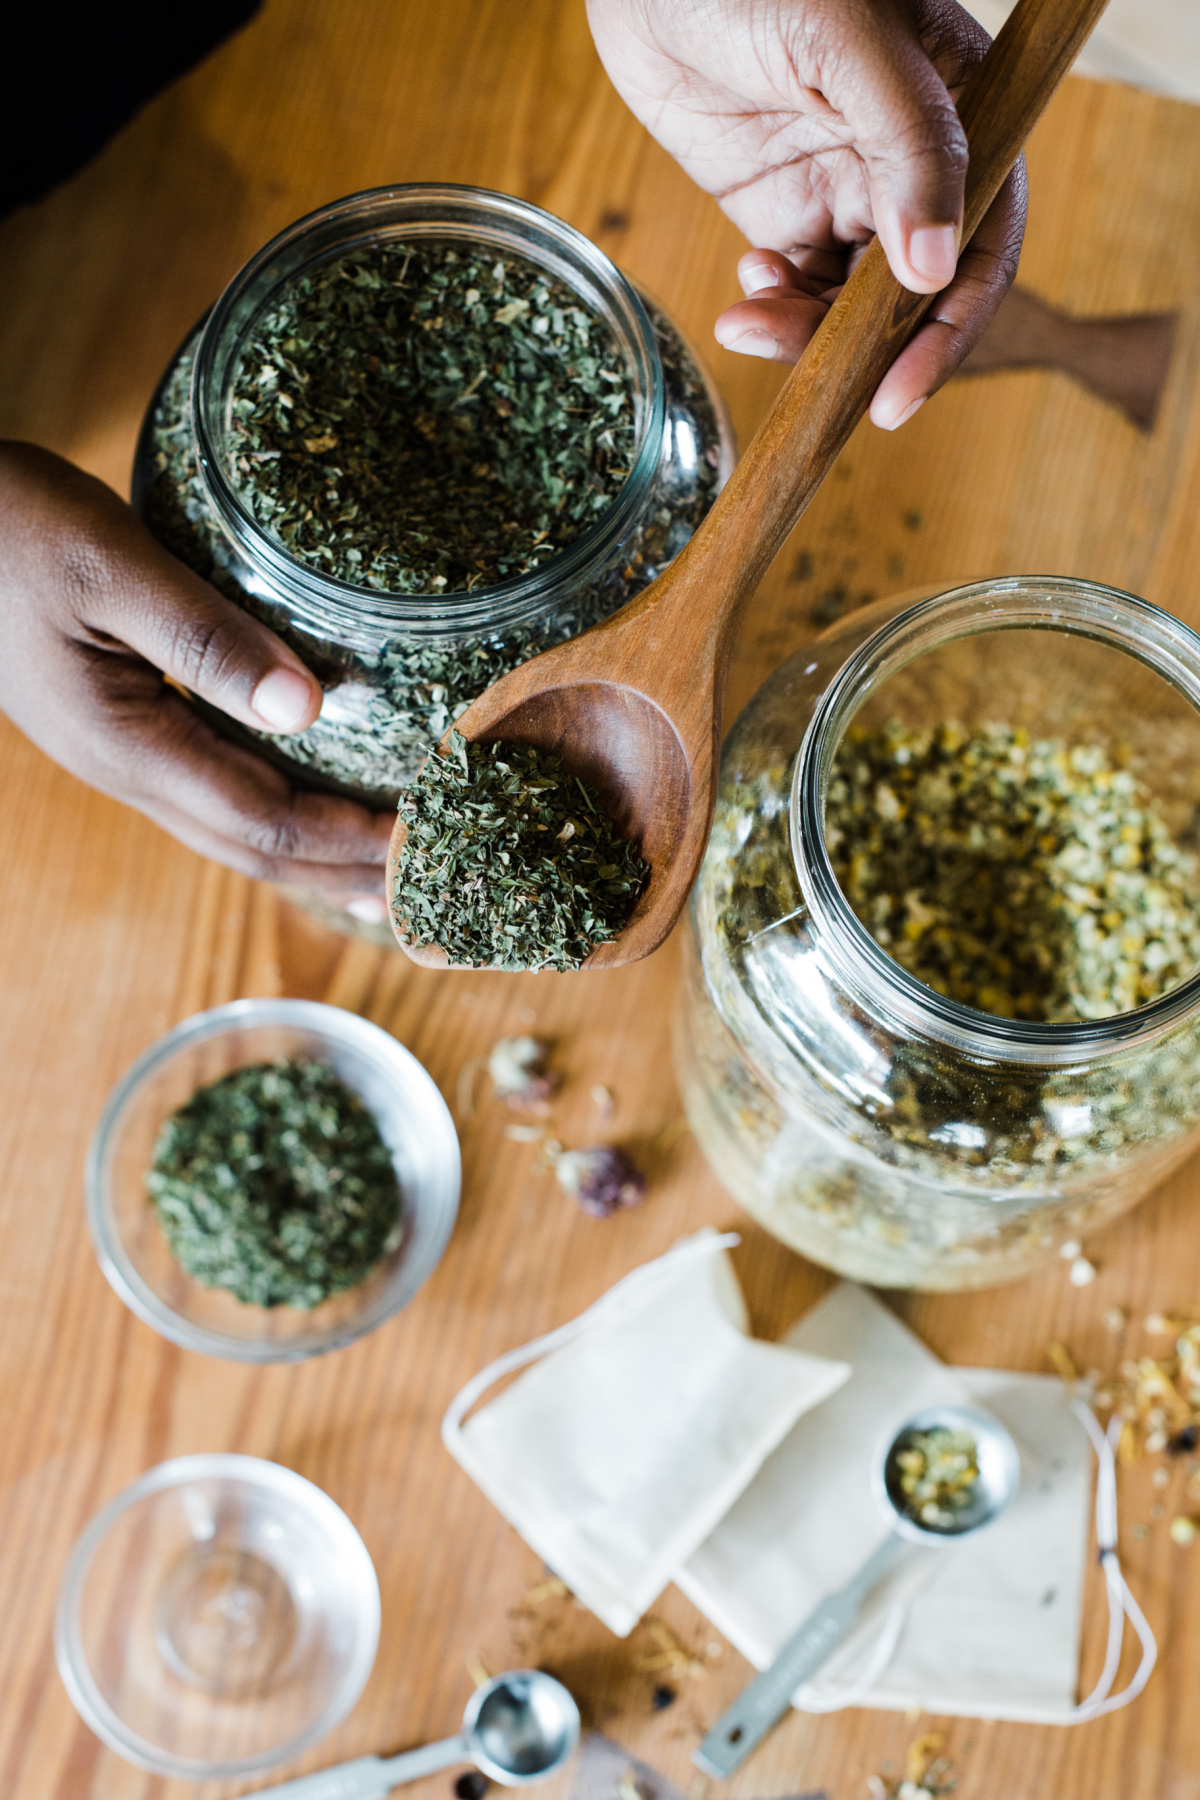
(1121, 1603)
(704, 1243)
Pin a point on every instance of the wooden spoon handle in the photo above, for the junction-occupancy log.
(860, 337)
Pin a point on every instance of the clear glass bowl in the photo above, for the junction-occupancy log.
(412, 1116)
(217, 1619)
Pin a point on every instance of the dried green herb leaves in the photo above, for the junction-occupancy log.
(1031, 880)
(275, 1183)
(429, 416)
(510, 862)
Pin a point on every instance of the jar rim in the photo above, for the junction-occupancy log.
(432, 210)
(1062, 604)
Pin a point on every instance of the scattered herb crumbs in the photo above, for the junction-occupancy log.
(275, 1183)
(510, 863)
(430, 416)
(929, 1773)
(1031, 880)
(665, 1654)
(1156, 1398)
(552, 1588)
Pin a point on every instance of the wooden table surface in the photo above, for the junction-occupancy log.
(112, 932)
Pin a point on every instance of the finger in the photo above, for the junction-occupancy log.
(359, 886)
(914, 150)
(788, 298)
(960, 316)
(776, 324)
(211, 647)
(807, 271)
(129, 594)
(165, 758)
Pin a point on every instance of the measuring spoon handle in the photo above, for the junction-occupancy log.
(362, 1779)
(764, 1701)
(412, 1764)
(372, 1777)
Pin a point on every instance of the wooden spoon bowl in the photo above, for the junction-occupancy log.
(639, 749)
(633, 706)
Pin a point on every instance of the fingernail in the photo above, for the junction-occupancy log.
(907, 414)
(933, 252)
(371, 912)
(749, 343)
(758, 275)
(283, 700)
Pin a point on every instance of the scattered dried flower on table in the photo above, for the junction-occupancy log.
(602, 1100)
(603, 1180)
(519, 1074)
(667, 1655)
(1154, 1402)
(929, 1773)
(552, 1588)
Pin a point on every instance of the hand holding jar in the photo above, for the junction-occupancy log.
(93, 614)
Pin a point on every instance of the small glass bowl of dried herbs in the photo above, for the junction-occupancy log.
(271, 1180)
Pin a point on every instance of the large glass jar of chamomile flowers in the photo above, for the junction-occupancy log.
(425, 433)
(942, 1009)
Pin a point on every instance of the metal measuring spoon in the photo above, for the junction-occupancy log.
(518, 1728)
(764, 1701)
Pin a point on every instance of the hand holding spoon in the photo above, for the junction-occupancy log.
(764, 1701)
(518, 1728)
(633, 706)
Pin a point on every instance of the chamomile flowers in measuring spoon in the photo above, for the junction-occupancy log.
(949, 1471)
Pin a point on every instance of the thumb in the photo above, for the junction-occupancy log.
(221, 654)
(913, 147)
(130, 594)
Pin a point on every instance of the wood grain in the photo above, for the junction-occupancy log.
(634, 707)
(107, 944)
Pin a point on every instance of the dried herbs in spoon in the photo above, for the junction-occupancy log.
(510, 862)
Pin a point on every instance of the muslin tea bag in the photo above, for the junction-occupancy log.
(636, 1426)
(988, 1627)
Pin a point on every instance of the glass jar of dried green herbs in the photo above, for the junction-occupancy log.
(942, 1010)
(425, 433)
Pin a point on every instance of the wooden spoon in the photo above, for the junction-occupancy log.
(634, 705)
